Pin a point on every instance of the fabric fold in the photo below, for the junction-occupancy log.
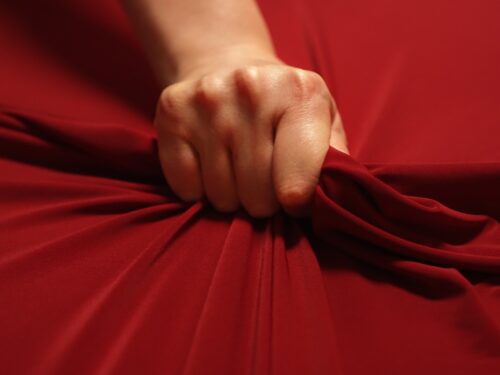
(104, 271)
(352, 201)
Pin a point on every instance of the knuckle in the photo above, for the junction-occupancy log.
(305, 84)
(247, 79)
(210, 90)
(170, 122)
(247, 75)
(171, 102)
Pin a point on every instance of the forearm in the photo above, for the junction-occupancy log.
(179, 35)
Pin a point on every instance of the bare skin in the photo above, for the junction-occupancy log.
(235, 123)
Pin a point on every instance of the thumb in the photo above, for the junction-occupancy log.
(338, 139)
(302, 140)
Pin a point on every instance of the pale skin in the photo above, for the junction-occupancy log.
(235, 124)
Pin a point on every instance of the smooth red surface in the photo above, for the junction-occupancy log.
(103, 271)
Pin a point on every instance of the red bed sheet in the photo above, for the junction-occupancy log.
(104, 271)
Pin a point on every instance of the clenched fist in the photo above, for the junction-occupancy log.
(249, 134)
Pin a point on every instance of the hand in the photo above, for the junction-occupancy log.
(247, 132)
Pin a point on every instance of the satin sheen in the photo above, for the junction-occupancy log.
(104, 271)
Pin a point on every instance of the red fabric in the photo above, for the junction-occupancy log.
(103, 271)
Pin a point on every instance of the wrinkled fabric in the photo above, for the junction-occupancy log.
(104, 271)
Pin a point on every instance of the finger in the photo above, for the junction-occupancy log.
(338, 138)
(179, 161)
(181, 168)
(252, 158)
(252, 146)
(217, 175)
(212, 100)
(301, 142)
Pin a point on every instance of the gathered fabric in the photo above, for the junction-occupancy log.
(397, 271)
